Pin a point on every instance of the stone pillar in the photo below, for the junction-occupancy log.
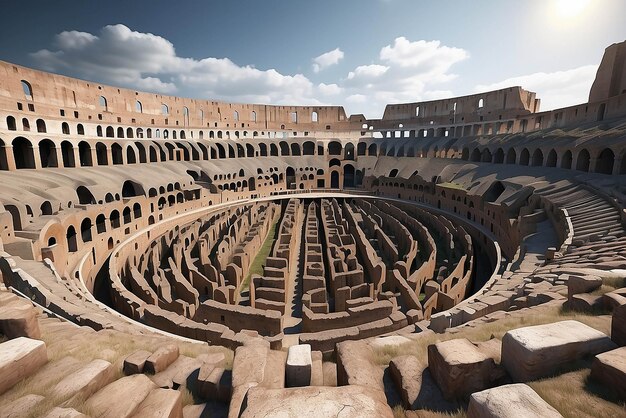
(8, 149)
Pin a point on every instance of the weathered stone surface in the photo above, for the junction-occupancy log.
(347, 402)
(298, 368)
(16, 408)
(19, 320)
(135, 362)
(610, 369)
(582, 284)
(510, 401)
(317, 371)
(161, 358)
(618, 325)
(214, 383)
(161, 403)
(65, 413)
(354, 366)
(177, 372)
(121, 398)
(460, 369)
(533, 352)
(20, 358)
(249, 364)
(86, 381)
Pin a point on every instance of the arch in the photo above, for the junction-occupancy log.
(348, 176)
(110, 132)
(249, 150)
(314, 117)
(290, 178)
(498, 157)
(295, 149)
(551, 160)
(582, 162)
(25, 125)
(130, 155)
(566, 161)
(85, 230)
(41, 126)
(138, 106)
(129, 133)
(349, 151)
(114, 218)
(101, 224)
(80, 129)
(102, 102)
(65, 128)
(116, 154)
(120, 132)
(273, 150)
(141, 150)
(524, 157)
(481, 103)
(475, 157)
(67, 152)
(11, 125)
(46, 208)
(165, 110)
(361, 149)
(263, 150)
(465, 154)
(23, 153)
(70, 237)
(334, 180)
(334, 148)
(372, 150)
(131, 189)
(511, 156)
(47, 153)
(537, 160)
(253, 116)
(101, 154)
(393, 173)
(284, 148)
(486, 156)
(126, 216)
(605, 161)
(85, 197)
(27, 89)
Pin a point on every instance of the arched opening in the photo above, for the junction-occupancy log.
(295, 149)
(494, 191)
(334, 180)
(46, 208)
(348, 176)
(23, 153)
(566, 161)
(511, 156)
(290, 178)
(25, 125)
(284, 148)
(132, 189)
(372, 150)
(273, 150)
(110, 132)
(263, 150)
(101, 224)
(115, 219)
(65, 128)
(465, 154)
(130, 155)
(85, 197)
(361, 148)
(249, 151)
(116, 154)
(102, 102)
(47, 153)
(142, 152)
(67, 151)
(70, 236)
(84, 154)
(486, 156)
(11, 125)
(126, 215)
(349, 151)
(334, 148)
(101, 154)
(41, 126)
(498, 157)
(85, 230)
(551, 161)
(308, 148)
(475, 155)
(314, 117)
(27, 89)
(537, 160)
(582, 163)
(80, 129)
(605, 162)
(524, 157)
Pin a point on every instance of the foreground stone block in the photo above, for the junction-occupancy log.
(161, 403)
(65, 413)
(19, 321)
(354, 366)
(134, 363)
(320, 402)
(161, 359)
(618, 325)
(17, 407)
(534, 352)
(213, 383)
(509, 401)
(20, 358)
(298, 369)
(460, 369)
(86, 381)
(121, 398)
(610, 369)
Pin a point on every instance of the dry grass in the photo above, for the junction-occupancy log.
(257, 264)
(84, 347)
(571, 393)
(614, 282)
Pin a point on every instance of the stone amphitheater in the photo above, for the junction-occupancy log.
(169, 257)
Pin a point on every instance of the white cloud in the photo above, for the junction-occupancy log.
(327, 59)
(403, 71)
(556, 89)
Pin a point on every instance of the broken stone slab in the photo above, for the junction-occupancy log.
(353, 401)
(214, 383)
(134, 363)
(161, 358)
(582, 284)
(354, 366)
(510, 401)
(20, 358)
(121, 398)
(538, 351)
(618, 325)
(161, 403)
(19, 321)
(460, 368)
(298, 367)
(16, 408)
(249, 364)
(609, 369)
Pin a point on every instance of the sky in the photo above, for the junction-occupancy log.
(361, 54)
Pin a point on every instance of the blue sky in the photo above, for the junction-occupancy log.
(358, 53)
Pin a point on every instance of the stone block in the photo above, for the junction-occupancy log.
(161, 358)
(121, 398)
(86, 381)
(618, 325)
(20, 358)
(509, 401)
(19, 321)
(214, 383)
(161, 403)
(298, 367)
(534, 352)
(134, 363)
(609, 369)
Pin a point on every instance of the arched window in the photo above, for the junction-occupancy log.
(165, 110)
(481, 103)
(235, 115)
(185, 115)
(102, 101)
(11, 125)
(417, 111)
(28, 90)
(253, 116)
(138, 107)
(314, 117)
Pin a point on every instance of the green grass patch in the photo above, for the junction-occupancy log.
(259, 261)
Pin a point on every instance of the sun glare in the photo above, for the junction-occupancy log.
(567, 9)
